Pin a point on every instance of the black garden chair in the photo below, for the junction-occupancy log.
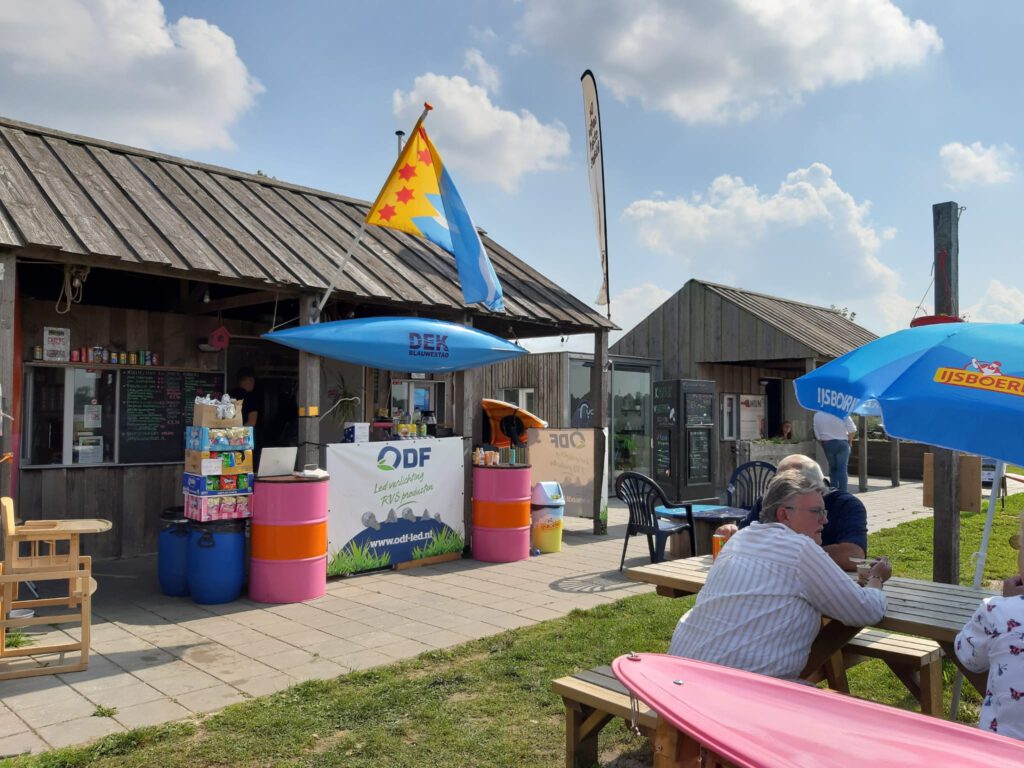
(642, 495)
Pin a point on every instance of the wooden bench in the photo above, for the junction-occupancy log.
(916, 661)
(593, 698)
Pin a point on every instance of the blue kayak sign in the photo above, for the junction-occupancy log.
(400, 343)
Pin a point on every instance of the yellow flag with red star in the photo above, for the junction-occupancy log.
(420, 198)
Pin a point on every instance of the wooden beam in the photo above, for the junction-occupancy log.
(7, 322)
(946, 535)
(248, 299)
(309, 390)
(599, 396)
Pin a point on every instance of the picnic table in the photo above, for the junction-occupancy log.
(927, 609)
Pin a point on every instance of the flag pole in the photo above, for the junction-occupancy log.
(362, 227)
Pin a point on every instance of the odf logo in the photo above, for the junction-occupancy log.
(571, 440)
(391, 458)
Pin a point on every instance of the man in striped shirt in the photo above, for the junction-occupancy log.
(761, 607)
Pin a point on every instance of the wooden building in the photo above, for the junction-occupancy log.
(752, 346)
(131, 250)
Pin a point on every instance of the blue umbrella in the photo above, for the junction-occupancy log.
(954, 385)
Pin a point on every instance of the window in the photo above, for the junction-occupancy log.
(521, 397)
(417, 395)
(71, 416)
(730, 417)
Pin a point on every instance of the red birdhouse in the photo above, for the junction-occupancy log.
(220, 338)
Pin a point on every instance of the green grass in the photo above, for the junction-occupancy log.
(102, 711)
(16, 638)
(353, 558)
(487, 702)
(446, 540)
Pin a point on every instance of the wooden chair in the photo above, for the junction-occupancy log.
(31, 660)
(38, 551)
(748, 483)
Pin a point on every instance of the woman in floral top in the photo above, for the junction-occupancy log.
(994, 640)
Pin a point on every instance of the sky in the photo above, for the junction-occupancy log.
(791, 147)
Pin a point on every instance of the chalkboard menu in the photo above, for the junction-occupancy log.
(699, 409)
(662, 454)
(155, 408)
(698, 456)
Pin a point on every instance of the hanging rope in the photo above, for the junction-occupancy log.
(72, 288)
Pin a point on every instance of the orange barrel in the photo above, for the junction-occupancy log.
(288, 540)
(501, 513)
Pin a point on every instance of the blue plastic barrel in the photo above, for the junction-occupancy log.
(216, 561)
(172, 552)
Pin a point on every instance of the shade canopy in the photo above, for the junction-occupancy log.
(400, 343)
(957, 386)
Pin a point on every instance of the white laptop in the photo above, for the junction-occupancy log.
(277, 461)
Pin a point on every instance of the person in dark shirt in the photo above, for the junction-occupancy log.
(247, 392)
(845, 534)
(252, 401)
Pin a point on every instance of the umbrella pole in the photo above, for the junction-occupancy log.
(979, 567)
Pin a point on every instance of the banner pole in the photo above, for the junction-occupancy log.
(362, 227)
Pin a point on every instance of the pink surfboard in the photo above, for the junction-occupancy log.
(760, 722)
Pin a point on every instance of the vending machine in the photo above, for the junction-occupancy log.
(684, 445)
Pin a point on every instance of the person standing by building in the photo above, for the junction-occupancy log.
(836, 437)
(252, 402)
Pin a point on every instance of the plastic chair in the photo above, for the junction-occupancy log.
(642, 495)
(748, 483)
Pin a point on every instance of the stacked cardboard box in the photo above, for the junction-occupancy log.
(218, 479)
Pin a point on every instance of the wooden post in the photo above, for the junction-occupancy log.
(599, 397)
(894, 461)
(309, 390)
(468, 422)
(7, 322)
(862, 448)
(946, 475)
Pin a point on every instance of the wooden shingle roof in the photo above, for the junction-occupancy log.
(824, 330)
(122, 207)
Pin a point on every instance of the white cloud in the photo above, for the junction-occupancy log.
(730, 59)
(476, 136)
(485, 74)
(1000, 303)
(978, 164)
(118, 70)
(809, 240)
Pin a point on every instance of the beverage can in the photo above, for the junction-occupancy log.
(133, 358)
(124, 358)
(149, 357)
(717, 542)
(37, 352)
(155, 358)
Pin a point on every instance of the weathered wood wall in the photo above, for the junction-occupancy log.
(131, 497)
(542, 372)
(697, 334)
(173, 337)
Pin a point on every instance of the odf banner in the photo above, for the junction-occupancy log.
(393, 502)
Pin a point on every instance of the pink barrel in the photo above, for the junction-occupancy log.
(504, 483)
(502, 488)
(289, 540)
